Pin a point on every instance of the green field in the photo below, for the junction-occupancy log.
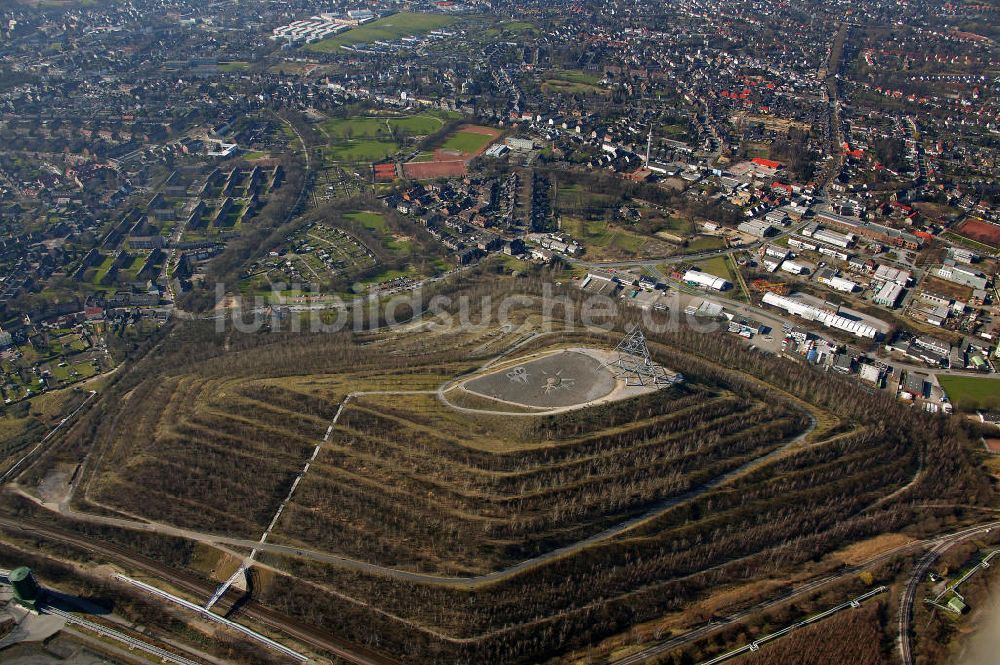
(969, 393)
(233, 66)
(74, 372)
(718, 266)
(373, 138)
(374, 127)
(103, 269)
(705, 243)
(574, 76)
(578, 197)
(674, 131)
(466, 141)
(373, 221)
(363, 150)
(70, 343)
(370, 220)
(389, 28)
(389, 275)
(133, 269)
(571, 82)
(520, 27)
(603, 240)
(567, 88)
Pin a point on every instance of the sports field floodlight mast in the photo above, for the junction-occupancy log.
(635, 365)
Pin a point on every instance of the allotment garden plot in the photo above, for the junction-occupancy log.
(317, 253)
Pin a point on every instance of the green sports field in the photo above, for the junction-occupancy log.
(466, 141)
(969, 393)
(387, 29)
(363, 150)
(379, 127)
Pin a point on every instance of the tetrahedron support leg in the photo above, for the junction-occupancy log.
(634, 364)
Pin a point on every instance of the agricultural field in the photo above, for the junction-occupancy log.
(969, 393)
(386, 29)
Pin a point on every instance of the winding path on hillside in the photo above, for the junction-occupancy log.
(427, 578)
(652, 512)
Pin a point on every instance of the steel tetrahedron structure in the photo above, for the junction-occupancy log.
(635, 365)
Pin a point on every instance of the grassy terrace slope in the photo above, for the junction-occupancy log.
(211, 431)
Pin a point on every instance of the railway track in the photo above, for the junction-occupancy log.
(938, 545)
(300, 631)
(129, 641)
(905, 612)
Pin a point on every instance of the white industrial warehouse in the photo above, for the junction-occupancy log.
(706, 280)
(826, 317)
